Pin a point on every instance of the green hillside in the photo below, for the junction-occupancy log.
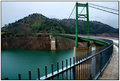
(37, 23)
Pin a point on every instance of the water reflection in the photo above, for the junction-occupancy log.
(21, 61)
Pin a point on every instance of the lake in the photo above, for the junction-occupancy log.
(15, 61)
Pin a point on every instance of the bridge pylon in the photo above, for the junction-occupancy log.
(86, 15)
(76, 48)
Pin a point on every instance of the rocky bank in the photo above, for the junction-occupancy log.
(35, 43)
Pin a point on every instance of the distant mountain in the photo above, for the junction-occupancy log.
(95, 27)
(37, 23)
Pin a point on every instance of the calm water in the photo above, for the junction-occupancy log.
(14, 61)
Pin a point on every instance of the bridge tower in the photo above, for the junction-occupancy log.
(76, 48)
(86, 15)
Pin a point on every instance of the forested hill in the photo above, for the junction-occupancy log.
(38, 23)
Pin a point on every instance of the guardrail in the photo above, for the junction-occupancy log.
(82, 68)
(85, 67)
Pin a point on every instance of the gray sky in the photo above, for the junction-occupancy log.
(13, 11)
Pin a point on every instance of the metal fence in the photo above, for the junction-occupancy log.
(87, 67)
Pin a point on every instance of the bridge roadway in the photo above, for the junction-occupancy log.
(112, 70)
(98, 40)
(83, 37)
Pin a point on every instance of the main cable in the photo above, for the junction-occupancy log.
(103, 7)
(104, 10)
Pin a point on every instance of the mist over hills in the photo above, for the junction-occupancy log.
(38, 23)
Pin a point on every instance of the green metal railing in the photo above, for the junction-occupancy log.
(87, 66)
(83, 67)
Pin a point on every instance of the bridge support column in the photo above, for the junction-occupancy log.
(80, 53)
(53, 43)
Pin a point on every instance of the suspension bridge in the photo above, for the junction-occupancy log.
(88, 66)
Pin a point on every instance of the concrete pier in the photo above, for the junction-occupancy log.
(83, 52)
(53, 43)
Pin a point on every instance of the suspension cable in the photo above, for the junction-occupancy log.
(72, 11)
(82, 10)
(104, 10)
(103, 7)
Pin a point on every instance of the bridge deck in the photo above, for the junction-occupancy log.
(111, 72)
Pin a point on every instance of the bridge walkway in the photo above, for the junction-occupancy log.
(111, 72)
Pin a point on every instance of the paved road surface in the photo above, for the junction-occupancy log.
(111, 72)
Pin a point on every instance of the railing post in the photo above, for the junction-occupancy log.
(29, 75)
(57, 67)
(38, 74)
(66, 63)
(79, 71)
(46, 71)
(70, 69)
(79, 58)
(100, 62)
(70, 62)
(62, 65)
(73, 68)
(62, 69)
(19, 76)
(52, 68)
(76, 59)
(66, 68)
(73, 60)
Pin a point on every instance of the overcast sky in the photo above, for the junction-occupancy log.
(13, 11)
